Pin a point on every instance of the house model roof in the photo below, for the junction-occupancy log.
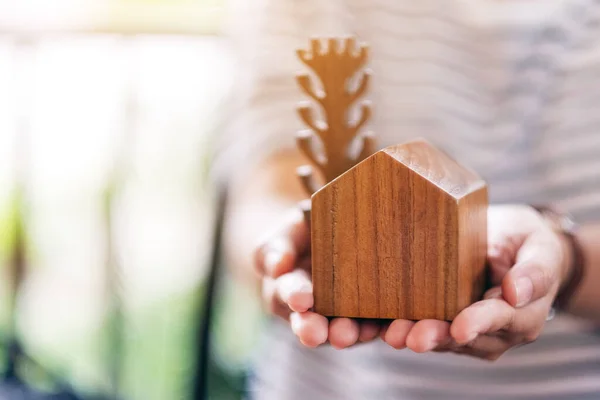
(434, 165)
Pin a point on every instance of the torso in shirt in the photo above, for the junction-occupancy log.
(513, 91)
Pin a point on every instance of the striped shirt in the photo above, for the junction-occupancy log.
(510, 89)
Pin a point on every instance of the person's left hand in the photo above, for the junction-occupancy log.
(528, 262)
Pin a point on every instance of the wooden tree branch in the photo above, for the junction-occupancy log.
(315, 47)
(305, 173)
(348, 44)
(361, 89)
(354, 61)
(361, 58)
(333, 46)
(365, 114)
(304, 82)
(311, 58)
(305, 112)
(303, 56)
(304, 141)
(363, 54)
(307, 58)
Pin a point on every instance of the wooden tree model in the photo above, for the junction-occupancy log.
(335, 66)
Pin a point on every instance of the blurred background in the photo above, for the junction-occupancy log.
(107, 112)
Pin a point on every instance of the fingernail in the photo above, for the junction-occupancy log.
(524, 288)
(272, 259)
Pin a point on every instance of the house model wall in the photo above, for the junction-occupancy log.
(400, 235)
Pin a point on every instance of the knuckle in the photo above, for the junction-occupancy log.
(543, 278)
(498, 248)
(549, 277)
(502, 245)
(511, 321)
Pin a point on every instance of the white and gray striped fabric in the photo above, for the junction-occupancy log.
(511, 89)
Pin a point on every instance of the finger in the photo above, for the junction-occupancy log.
(485, 347)
(279, 251)
(427, 335)
(271, 300)
(536, 272)
(485, 316)
(397, 332)
(501, 254)
(489, 346)
(529, 321)
(343, 332)
(295, 289)
(384, 328)
(311, 328)
(368, 331)
(493, 293)
(449, 346)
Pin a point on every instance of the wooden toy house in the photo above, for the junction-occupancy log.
(400, 235)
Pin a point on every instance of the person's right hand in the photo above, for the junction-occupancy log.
(284, 265)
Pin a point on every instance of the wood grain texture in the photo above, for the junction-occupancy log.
(400, 235)
(472, 223)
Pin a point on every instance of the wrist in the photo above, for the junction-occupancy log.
(568, 261)
(572, 265)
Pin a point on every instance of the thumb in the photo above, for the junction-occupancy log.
(279, 253)
(536, 270)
